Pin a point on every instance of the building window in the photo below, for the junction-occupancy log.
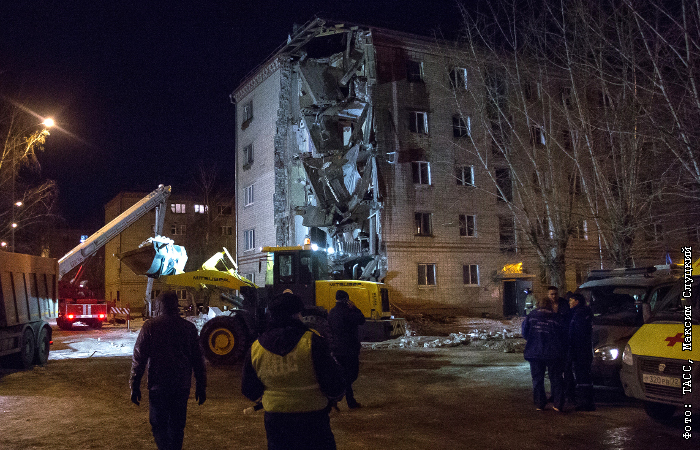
(426, 275)
(465, 175)
(414, 70)
(506, 234)
(178, 208)
(249, 237)
(176, 229)
(424, 224)
(580, 230)
(224, 210)
(227, 231)
(458, 78)
(537, 135)
(418, 122)
(247, 112)
(248, 155)
(200, 209)
(461, 126)
(467, 225)
(505, 187)
(470, 274)
(181, 294)
(248, 195)
(421, 172)
(249, 276)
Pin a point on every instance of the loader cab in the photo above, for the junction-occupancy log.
(296, 269)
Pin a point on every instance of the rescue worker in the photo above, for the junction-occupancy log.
(581, 351)
(169, 347)
(344, 321)
(291, 370)
(544, 350)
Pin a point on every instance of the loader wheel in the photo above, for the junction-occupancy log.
(27, 347)
(64, 324)
(43, 345)
(224, 340)
(317, 322)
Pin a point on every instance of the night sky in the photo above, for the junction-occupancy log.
(141, 92)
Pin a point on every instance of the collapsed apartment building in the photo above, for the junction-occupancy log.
(346, 136)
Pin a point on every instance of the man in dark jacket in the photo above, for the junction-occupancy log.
(344, 321)
(581, 351)
(544, 350)
(169, 347)
(290, 369)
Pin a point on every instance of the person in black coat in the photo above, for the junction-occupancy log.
(344, 321)
(168, 345)
(581, 351)
(544, 350)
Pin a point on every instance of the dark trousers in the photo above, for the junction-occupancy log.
(584, 382)
(168, 414)
(299, 431)
(351, 370)
(555, 369)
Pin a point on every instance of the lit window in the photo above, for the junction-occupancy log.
(467, 225)
(414, 70)
(418, 122)
(421, 172)
(178, 208)
(423, 224)
(248, 155)
(458, 78)
(249, 238)
(470, 274)
(227, 231)
(461, 126)
(200, 209)
(465, 175)
(248, 195)
(427, 275)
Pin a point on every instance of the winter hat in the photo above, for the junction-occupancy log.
(341, 296)
(285, 305)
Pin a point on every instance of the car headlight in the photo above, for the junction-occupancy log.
(627, 355)
(607, 353)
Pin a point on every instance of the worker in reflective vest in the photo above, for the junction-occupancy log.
(290, 369)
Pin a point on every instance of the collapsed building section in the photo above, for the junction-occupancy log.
(331, 165)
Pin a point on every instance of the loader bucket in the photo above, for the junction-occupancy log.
(155, 259)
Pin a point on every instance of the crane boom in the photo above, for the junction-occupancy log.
(91, 245)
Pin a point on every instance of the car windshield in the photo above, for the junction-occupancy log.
(673, 306)
(616, 305)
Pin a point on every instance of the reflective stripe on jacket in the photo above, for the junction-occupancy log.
(290, 382)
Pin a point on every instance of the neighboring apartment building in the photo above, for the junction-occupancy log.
(202, 229)
(346, 136)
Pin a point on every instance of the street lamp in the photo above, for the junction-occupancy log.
(37, 137)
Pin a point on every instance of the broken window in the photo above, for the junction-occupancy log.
(247, 113)
(424, 224)
(467, 225)
(418, 122)
(178, 208)
(421, 172)
(461, 126)
(537, 135)
(465, 175)
(200, 209)
(470, 274)
(427, 275)
(506, 234)
(249, 239)
(227, 230)
(224, 210)
(414, 70)
(458, 78)
(504, 184)
(176, 229)
(247, 155)
(248, 195)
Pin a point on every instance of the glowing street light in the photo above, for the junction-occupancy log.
(48, 122)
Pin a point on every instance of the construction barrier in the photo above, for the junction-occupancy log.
(124, 313)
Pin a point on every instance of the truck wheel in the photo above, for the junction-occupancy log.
(659, 411)
(224, 340)
(43, 345)
(317, 322)
(27, 347)
(63, 323)
(96, 324)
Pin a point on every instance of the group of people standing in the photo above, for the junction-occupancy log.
(558, 342)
